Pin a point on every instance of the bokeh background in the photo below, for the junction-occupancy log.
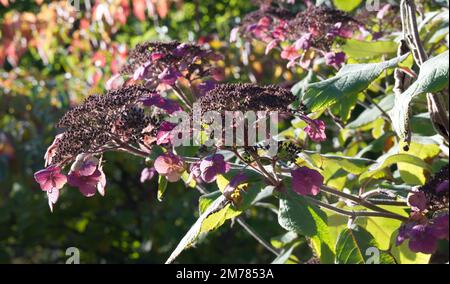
(52, 55)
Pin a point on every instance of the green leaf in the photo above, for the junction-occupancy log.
(298, 215)
(217, 219)
(381, 229)
(284, 240)
(299, 88)
(284, 255)
(220, 217)
(344, 108)
(193, 233)
(433, 77)
(377, 170)
(373, 113)
(413, 174)
(162, 186)
(404, 255)
(214, 221)
(364, 49)
(349, 81)
(347, 5)
(215, 210)
(357, 246)
(350, 164)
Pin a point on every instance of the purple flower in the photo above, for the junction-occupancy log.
(115, 82)
(383, 11)
(306, 181)
(403, 233)
(147, 174)
(232, 186)
(212, 166)
(52, 196)
(85, 164)
(195, 173)
(303, 43)
(51, 181)
(339, 30)
(88, 185)
(169, 76)
(280, 32)
(157, 100)
(440, 227)
(271, 45)
(316, 130)
(217, 74)
(170, 166)
(102, 182)
(265, 22)
(181, 50)
(234, 34)
(417, 200)
(51, 150)
(442, 187)
(335, 59)
(258, 30)
(50, 178)
(290, 53)
(87, 174)
(165, 135)
(206, 86)
(157, 56)
(141, 72)
(424, 235)
(422, 239)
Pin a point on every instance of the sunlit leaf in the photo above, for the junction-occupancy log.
(349, 81)
(298, 215)
(373, 113)
(413, 174)
(357, 246)
(364, 49)
(162, 186)
(193, 233)
(376, 171)
(433, 77)
(347, 5)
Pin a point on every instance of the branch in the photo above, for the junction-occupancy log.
(358, 201)
(355, 214)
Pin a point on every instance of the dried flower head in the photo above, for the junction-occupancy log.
(104, 122)
(246, 97)
(165, 62)
(437, 198)
(267, 11)
(322, 23)
(266, 24)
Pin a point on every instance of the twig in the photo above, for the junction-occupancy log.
(180, 94)
(357, 200)
(256, 236)
(261, 167)
(247, 228)
(384, 113)
(355, 214)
